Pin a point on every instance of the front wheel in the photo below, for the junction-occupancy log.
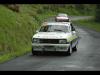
(69, 52)
(34, 52)
(75, 48)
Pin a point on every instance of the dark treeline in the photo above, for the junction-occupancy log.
(82, 9)
(88, 9)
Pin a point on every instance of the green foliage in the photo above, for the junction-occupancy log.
(16, 30)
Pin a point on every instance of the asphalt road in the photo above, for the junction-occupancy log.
(87, 58)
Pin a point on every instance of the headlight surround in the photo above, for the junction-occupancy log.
(63, 41)
(35, 40)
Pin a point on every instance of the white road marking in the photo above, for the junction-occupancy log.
(78, 66)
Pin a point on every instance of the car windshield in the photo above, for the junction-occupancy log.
(54, 28)
(62, 15)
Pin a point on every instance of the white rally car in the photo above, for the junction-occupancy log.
(55, 36)
(61, 17)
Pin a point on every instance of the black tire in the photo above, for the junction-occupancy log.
(34, 52)
(69, 52)
(75, 48)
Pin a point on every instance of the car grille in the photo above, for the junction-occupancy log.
(51, 41)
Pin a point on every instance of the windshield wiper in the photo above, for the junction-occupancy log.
(58, 30)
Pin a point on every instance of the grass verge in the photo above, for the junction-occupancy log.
(17, 29)
(90, 23)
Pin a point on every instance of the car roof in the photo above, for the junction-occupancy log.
(57, 23)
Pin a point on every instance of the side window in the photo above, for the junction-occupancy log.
(72, 27)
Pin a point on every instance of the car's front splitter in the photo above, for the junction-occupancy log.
(50, 47)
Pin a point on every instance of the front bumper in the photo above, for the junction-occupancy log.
(50, 47)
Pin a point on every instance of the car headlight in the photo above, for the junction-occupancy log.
(35, 40)
(62, 41)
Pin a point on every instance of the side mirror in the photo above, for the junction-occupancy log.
(73, 31)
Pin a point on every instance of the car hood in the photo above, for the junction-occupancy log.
(51, 35)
